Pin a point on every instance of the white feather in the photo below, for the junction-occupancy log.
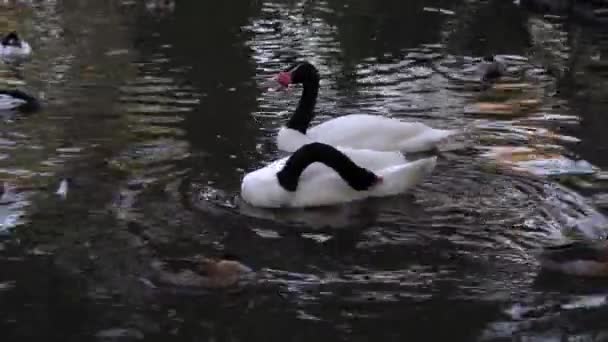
(365, 131)
(7, 51)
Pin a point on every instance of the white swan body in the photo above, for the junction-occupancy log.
(25, 50)
(353, 131)
(320, 185)
(13, 47)
(365, 131)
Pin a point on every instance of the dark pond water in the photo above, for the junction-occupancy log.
(156, 112)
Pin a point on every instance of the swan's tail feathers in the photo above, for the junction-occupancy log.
(417, 170)
(424, 166)
(428, 140)
(453, 139)
(441, 134)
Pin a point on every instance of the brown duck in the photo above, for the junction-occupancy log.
(210, 273)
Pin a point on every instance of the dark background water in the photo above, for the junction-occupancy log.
(156, 113)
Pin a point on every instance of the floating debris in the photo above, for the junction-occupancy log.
(537, 162)
(63, 189)
(438, 10)
(120, 333)
(117, 52)
(512, 86)
(7, 285)
(508, 108)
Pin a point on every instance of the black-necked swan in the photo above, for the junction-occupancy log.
(355, 130)
(14, 99)
(318, 174)
(11, 46)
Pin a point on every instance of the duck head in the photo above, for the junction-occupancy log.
(300, 73)
(11, 39)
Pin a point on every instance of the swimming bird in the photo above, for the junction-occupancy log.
(318, 174)
(12, 46)
(213, 273)
(17, 100)
(578, 258)
(361, 131)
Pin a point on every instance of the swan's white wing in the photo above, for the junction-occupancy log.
(16, 52)
(320, 185)
(377, 133)
(329, 189)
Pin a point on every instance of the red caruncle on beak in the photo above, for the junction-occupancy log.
(284, 78)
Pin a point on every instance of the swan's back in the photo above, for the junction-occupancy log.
(328, 189)
(377, 133)
(320, 185)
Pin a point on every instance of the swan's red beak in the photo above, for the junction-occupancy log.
(284, 78)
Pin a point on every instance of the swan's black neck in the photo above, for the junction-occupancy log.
(357, 177)
(30, 105)
(305, 111)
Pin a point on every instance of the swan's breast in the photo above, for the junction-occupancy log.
(261, 188)
(12, 51)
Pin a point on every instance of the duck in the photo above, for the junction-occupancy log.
(17, 100)
(212, 273)
(362, 131)
(491, 69)
(319, 174)
(12, 46)
(577, 258)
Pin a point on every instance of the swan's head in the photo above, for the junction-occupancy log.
(303, 72)
(11, 39)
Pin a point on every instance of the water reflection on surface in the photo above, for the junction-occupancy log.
(155, 110)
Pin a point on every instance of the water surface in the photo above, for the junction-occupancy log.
(154, 112)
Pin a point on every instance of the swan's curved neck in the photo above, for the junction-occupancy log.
(304, 113)
(357, 177)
